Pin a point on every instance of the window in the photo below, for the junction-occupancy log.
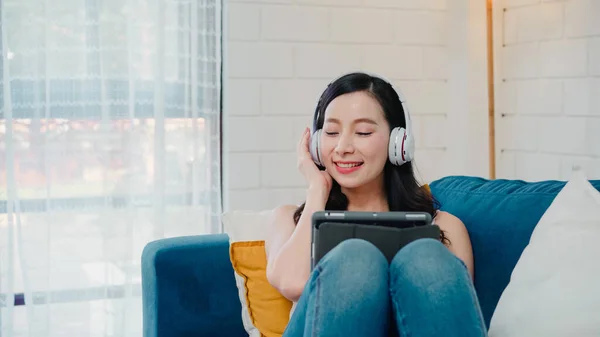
(110, 115)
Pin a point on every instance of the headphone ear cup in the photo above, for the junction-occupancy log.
(315, 147)
(409, 147)
(397, 146)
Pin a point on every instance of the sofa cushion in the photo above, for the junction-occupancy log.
(553, 289)
(265, 312)
(267, 309)
(500, 216)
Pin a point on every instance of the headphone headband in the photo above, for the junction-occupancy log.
(402, 98)
(399, 92)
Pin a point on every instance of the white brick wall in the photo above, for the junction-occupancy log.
(280, 55)
(548, 115)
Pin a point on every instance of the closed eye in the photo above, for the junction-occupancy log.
(331, 133)
(364, 133)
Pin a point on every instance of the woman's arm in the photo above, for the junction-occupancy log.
(460, 243)
(288, 247)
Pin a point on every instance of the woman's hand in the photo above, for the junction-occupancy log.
(319, 181)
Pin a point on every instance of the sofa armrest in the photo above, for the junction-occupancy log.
(188, 288)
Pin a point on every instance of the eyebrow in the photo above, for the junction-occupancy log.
(356, 121)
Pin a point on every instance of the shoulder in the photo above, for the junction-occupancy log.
(283, 214)
(458, 237)
(452, 226)
(281, 225)
(448, 221)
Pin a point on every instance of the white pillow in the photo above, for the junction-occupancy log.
(246, 225)
(554, 289)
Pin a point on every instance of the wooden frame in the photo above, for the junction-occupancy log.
(491, 97)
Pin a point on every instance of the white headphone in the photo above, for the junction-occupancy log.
(401, 148)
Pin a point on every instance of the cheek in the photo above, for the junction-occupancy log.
(327, 146)
(375, 148)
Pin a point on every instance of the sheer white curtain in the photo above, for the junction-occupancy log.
(109, 138)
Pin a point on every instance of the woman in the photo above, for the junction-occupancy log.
(426, 290)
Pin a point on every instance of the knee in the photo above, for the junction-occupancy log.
(354, 278)
(426, 263)
(356, 263)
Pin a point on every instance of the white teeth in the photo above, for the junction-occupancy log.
(347, 165)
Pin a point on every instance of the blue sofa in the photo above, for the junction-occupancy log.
(188, 286)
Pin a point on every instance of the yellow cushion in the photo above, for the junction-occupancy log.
(269, 311)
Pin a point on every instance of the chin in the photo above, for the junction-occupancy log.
(354, 181)
(351, 180)
(348, 182)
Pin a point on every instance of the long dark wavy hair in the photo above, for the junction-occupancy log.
(402, 188)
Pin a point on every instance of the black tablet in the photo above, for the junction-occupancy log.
(388, 231)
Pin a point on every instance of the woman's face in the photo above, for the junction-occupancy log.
(354, 141)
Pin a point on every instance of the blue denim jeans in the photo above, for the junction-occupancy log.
(353, 291)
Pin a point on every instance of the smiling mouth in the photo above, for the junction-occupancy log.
(347, 165)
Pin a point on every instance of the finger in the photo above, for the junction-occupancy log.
(299, 144)
(307, 141)
(302, 137)
(304, 140)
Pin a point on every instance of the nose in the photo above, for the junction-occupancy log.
(344, 145)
